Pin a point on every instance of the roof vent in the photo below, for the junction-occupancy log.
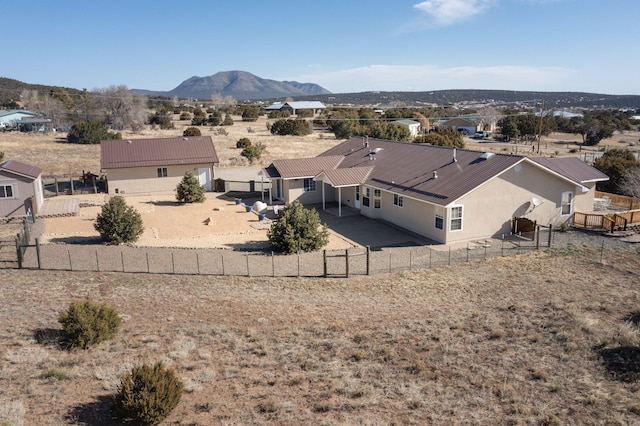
(455, 160)
(185, 139)
(435, 174)
(129, 141)
(487, 155)
(376, 150)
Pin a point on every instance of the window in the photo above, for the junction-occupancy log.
(439, 221)
(6, 191)
(162, 172)
(377, 195)
(398, 200)
(309, 185)
(357, 193)
(566, 205)
(366, 196)
(455, 223)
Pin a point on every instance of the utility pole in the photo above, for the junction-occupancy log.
(540, 126)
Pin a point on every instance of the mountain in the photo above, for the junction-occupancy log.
(240, 85)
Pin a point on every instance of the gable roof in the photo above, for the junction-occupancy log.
(115, 154)
(302, 167)
(296, 105)
(17, 111)
(21, 169)
(407, 122)
(571, 168)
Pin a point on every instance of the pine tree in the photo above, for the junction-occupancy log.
(189, 189)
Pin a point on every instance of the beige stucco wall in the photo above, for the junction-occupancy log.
(294, 190)
(139, 180)
(23, 188)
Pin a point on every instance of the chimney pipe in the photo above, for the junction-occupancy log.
(435, 174)
(455, 160)
(366, 139)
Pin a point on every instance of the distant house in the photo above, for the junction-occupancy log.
(413, 126)
(316, 106)
(447, 195)
(10, 118)
(137, 166)
(469, 124)
(21, 192)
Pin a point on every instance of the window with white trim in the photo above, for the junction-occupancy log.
(357, 193)
(162, 172)
(566, 203)
(439, 221)
(6, 191)
(366, 196)
(398, 200)
(309, 185)
(377, 198)
(455, 220)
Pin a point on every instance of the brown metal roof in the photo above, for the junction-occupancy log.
(571, 168)
(304, 167)
(408, 168)
(348, 177)
(16, 167)
(125, 153)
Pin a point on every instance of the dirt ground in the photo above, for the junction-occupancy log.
(216, 223)
(541, 339)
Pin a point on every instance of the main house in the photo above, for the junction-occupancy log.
(445, 194)
(136, 166)
(21, 191)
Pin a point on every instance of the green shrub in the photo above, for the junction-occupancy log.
(185, 116)
(251, 153)
(298, 230)
(189, 189)
(86, 324)
(118, 223)
(91, 132)
(147, 394)
(191, 131)
(243, 143)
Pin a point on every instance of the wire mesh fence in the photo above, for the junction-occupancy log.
(328, 263)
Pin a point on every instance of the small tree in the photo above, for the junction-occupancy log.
(192, 131)
(118, 223)
(87, 324)
(228, 120)
(147, 394)
(298, 230)
(251, 153)
(189, 189)
(243, 143)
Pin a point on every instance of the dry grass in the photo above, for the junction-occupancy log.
(504, 341)
(58, 158)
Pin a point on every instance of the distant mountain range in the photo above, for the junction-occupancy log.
(240, 85)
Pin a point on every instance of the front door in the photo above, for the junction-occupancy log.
(357, 198)
(279, 190)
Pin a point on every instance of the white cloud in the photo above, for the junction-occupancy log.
(447, 12)
(416, 78)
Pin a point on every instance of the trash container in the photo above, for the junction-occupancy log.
(261, 217)
(248, 207)
(238, 201)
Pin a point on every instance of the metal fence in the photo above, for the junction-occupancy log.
(324, 263)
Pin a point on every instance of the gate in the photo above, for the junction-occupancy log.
(523, 227)
(356, 262)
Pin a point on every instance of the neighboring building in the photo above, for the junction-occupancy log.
(10, 118)
(445, 194)
(469, 124)
(21, 192)
(316, 106)
(413, 126)
(137, 166)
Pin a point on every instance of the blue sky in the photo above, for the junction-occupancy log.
(343, 45)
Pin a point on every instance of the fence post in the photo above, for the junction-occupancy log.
(389, 261)
(247, 256)
(198, 263)
(601, 251)
(324, 262)
(69, 256)
(173, 264)
(368, 259)
(346, 259)
(19, 251)
(449, 255)
(550, 232)
(467, 252)
(71, 182)
(410, 253)
(273, 265)
(147, 256)
(537, 237)
(502, 246)
(298, 264)
(56, 183)
(430, 254)
(222, 257)
(122, 259)
(38, 252)
(97, 261)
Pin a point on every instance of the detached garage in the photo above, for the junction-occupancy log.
(139, 166)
